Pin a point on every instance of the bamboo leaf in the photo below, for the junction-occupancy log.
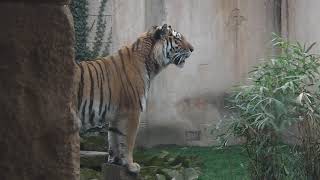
(310, 47)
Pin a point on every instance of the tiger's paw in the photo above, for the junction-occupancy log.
(134, 168)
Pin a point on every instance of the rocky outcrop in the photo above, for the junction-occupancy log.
(39, 136)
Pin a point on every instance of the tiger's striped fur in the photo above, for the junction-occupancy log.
(114, 89)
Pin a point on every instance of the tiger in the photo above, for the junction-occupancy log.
(113, 90)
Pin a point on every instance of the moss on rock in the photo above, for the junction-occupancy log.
(93, 143)
(89, 174)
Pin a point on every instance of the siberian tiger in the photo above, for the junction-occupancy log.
(114, 89)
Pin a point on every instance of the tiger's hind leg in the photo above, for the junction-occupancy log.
(121, 137)
(133, 126)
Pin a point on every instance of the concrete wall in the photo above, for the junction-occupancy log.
(302, 19)
(186, 105)
(128, 22)
(229, 37)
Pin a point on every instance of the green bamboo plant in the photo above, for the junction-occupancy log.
(283, 92)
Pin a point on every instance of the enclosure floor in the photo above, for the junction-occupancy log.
(218, 164)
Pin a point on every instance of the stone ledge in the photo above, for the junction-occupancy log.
(92, 153)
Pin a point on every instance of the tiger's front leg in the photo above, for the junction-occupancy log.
(121, 137)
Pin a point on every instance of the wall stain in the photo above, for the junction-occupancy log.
(235, 20)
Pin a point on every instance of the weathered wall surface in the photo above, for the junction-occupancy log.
(302, 19)
(39, 137)
(229, 37)
(128, 22)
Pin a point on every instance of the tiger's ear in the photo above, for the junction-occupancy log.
(160, 32)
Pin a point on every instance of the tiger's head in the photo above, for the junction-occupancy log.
(170, 46)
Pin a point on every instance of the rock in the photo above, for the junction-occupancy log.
(39, 135)
(114, 172)
(92, 159)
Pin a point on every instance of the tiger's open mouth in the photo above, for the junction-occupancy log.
(180, 62)
(181, 59)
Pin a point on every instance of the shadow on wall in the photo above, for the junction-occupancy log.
(200, 119)
(207, 116)
(159, 135)
(201, 102)
(202, 108)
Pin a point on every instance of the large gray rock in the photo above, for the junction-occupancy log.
(114, 172)
(39, 136)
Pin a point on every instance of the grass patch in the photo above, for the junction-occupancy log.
(227, 163)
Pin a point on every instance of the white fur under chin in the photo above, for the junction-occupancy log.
(134, 168)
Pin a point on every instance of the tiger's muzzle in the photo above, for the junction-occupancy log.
(180, 59)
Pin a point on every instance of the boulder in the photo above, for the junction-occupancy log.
(39, 134)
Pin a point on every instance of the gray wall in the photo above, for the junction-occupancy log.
(302, 21)
(128, 22)
(229, 36)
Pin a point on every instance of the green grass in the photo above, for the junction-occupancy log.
(218, 164)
